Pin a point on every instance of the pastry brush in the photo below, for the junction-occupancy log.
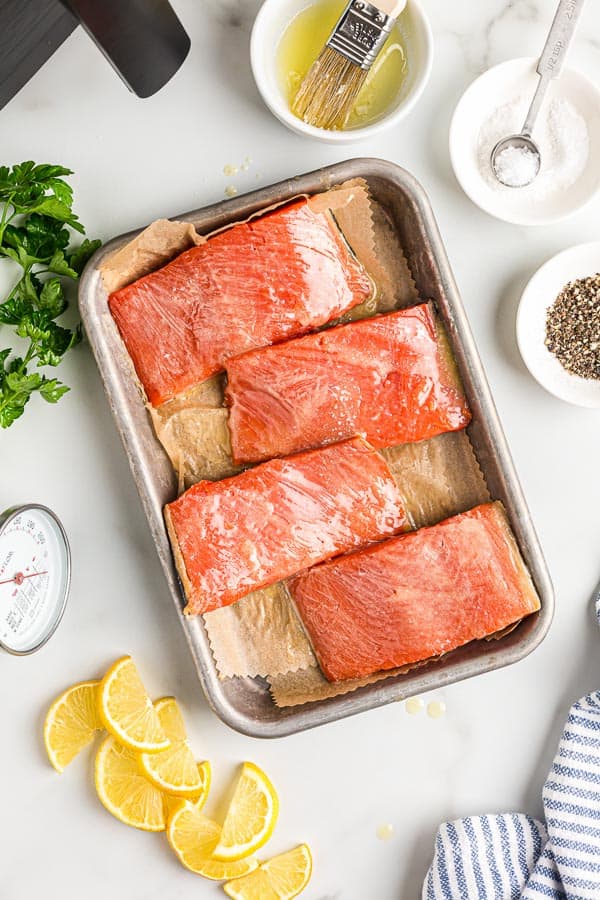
(332, 84)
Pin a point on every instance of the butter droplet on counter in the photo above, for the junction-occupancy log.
(385, 832)
(436, 709)
(414, 705)
(230, 190)
(246, 164)
(230, 170)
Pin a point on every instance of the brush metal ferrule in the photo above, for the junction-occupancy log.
(361, 33)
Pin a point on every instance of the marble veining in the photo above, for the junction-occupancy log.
(515, 10)
(233, 13)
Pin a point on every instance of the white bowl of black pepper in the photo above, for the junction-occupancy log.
(558, 325)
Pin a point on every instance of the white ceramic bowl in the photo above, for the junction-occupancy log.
(509, 79)
(270, 23)
(541, 292)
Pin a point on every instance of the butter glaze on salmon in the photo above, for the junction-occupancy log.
(415, 596)
(390, 378)
(236, 535)
(275, 277)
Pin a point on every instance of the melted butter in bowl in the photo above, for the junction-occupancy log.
(303, 40)
(288, 36)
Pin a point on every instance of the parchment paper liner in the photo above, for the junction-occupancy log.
(308, 685)
(157, 245)
(262, 634)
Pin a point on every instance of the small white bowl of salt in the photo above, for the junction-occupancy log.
(567, 133)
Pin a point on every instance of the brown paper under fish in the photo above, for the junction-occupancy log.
(262, 634)
(309, 685)
(154, 247)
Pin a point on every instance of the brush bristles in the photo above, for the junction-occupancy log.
(329, 91)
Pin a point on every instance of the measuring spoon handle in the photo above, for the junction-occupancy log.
(553, 55)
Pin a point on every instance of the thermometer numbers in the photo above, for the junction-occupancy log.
(30, 526)
(13, 619)
(34, 577)
(16, 615)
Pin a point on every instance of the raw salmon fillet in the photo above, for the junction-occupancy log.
(259, 282)
(233, 536)
(390, 378)
(415, 596)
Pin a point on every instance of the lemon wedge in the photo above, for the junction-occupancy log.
(251, 816)
(124, 791)
(128, 712)
(175, 770)
(71, 723)
(193, 837)
(280, 878)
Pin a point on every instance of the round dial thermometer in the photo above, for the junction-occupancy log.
(35, 571)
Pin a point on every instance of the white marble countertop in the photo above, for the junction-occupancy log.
(134, 161)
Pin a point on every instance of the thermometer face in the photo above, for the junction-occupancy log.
(35, 571)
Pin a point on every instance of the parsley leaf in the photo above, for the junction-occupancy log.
(36, 221)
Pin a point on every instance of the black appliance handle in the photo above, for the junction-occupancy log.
(143, 39)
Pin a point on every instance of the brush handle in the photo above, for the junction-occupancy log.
(391, 8)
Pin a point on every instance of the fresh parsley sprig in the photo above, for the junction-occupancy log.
(36, 216)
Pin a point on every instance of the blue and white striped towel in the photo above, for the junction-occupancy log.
(512, 856)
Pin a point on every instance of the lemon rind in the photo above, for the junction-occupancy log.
(236, 894)
(110, 807)
(233, 853)
(120, 734)
(92, 682)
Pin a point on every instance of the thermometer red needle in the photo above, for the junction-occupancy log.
(19, 578)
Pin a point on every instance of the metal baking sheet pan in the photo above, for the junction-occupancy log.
(245, 703)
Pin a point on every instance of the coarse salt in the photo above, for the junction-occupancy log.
(560, 133)
(516, 166)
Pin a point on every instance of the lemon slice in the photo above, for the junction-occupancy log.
(251, 816)
(128, 712)
(280, 878)
(175, 770)
(200, 797)
(124, 791)
(71, 723)
(193, 837)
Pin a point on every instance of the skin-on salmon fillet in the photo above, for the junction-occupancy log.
(415, 596)
(259, 282)
(233, 536)
(390, 378)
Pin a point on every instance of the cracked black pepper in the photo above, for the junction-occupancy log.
(573, 327)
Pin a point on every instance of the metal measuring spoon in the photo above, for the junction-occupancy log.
(549, 65)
